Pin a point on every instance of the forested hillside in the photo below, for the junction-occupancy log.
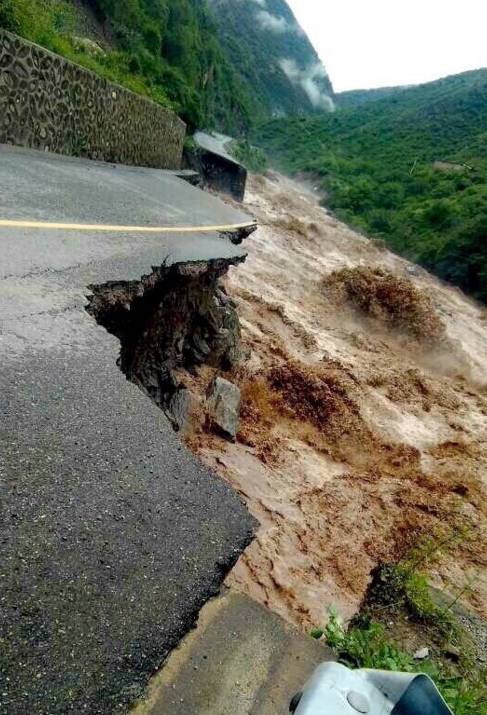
(166, 49)
(176, 52)
(410, 168)
(273, 56)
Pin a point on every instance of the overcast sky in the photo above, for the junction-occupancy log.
(375, 43)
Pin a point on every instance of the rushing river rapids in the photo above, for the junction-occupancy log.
(356, 440)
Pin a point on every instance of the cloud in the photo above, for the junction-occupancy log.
(272, 22)
(275, 23)
(308, 80)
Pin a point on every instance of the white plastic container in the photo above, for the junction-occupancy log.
(336, 690)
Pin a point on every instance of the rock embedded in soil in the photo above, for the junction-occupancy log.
(224, 406)
(422, 654)
(178, 408)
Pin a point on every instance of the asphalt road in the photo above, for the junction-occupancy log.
(215, 143)
(112, 534)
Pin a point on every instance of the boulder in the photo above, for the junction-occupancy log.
(178, 408)
(85, 44)
(224, 406)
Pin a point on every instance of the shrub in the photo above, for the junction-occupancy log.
(8, 17)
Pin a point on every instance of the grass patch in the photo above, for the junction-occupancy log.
(405, 585)
(401, 587)
(366, 645)
(400, 614)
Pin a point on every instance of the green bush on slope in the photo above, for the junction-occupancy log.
(366, 645)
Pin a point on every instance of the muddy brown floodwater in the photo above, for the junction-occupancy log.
(356, 439)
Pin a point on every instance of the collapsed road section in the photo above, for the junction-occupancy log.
(113, 535)
(179, 316)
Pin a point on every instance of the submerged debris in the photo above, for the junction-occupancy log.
(390, 299)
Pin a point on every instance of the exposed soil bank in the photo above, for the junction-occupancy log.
(357, 437)
(176, 317)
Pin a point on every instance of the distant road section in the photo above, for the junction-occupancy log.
(219, 170)
(216, 143)
(113, 535)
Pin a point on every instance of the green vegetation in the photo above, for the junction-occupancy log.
(405, 585)
(410, 168)
(357, 97)
(399, 613)
(256, 52)
(210, 60)
(253, 158)
(165, 49)
(366, 645)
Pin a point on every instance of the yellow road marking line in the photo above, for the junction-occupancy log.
(5, 223)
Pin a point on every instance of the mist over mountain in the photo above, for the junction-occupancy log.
(273, 56)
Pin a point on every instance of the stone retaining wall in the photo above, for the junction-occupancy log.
(49, 103)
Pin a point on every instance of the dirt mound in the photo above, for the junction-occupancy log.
(390, 299)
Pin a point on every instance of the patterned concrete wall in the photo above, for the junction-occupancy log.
(49, 103)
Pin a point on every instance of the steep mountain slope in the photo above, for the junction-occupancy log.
(410, 168)
(273, 56)
(166, 49)
(184, 54)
